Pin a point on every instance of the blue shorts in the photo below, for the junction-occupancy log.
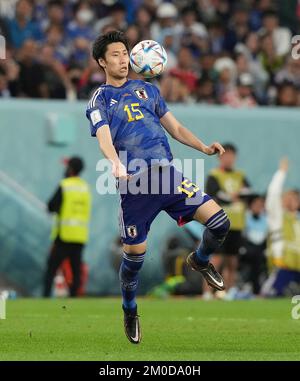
(144, 196)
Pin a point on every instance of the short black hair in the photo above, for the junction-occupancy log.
(230, 147)
(101, 43)
(55, 3)
(76, 164)
(270, 13)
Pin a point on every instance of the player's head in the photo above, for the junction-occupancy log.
(256, 204)
(291, 200)
(74, 166)
(111, 52)
(227, 160)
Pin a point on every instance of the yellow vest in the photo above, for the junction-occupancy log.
(73, 219)
(232, 182)
(290, 258)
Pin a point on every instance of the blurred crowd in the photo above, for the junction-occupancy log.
(219, 51)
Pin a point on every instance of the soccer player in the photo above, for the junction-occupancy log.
(130, 116)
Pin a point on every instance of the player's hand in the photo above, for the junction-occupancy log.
(214, 148)
(284, 164)
(119, 171)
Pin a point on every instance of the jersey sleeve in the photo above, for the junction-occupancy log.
(161, 107)
(97, 114)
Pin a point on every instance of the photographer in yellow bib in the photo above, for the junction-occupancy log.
(72, 204)
(284, 236)
(228, 186)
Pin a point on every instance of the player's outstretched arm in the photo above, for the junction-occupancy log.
(185, 136)
(109, 151)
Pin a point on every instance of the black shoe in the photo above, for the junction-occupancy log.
(212, 277)
(132, 326)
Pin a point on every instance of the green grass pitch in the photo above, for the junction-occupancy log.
(173, 329)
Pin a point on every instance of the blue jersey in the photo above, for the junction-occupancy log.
(133, 113)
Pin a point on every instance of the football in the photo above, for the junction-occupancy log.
(148, 58)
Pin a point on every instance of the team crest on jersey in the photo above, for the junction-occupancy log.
(141, 93)
(132, 231)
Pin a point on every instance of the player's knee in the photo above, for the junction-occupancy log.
(135, 249)
(130, 266)
(219, 224)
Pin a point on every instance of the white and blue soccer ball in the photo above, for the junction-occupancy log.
(148, 58)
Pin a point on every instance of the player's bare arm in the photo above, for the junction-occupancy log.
(185, 136)
(109, 151)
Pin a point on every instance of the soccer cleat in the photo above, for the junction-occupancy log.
(132, 326)
(210, 274)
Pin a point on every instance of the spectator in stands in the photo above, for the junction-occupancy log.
(190, 32)
(71, 203)
(207, 62)
(248, 62)
(181, 81)
(143, 22)
(81, 27)
(289, 73)
(225, 70)
(216, 37)
(132, 35)
(80, 52)
(242, 95)
(56, 82)
(281, 36)
(54, 16)
(31, 81)
(166, 15)
(257, 13)
(238, 27)
(288, 95)
(22, 27)
(268, 56)
(88, 79)
(55, 39)
(168, 42)
(205, 92)
(116, 19)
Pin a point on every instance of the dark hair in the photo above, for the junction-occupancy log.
(270, 13)
(101, 43)
(76, 164)
(230, 147)
(117, 7)
(54, 3)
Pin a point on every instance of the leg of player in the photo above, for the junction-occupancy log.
(133, 258)
(217, 225)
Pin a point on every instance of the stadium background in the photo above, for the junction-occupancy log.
(37, 133)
